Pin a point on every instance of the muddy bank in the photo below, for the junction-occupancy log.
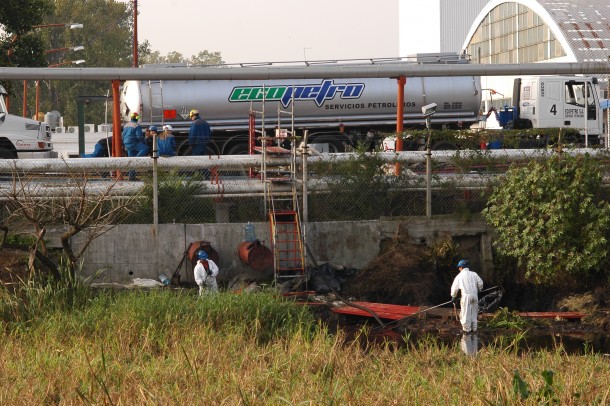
(412, 274)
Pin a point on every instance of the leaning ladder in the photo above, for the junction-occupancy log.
(281, 201)
(155, 99)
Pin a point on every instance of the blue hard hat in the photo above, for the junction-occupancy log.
(152, 128)
(202, 254)
(463, 263)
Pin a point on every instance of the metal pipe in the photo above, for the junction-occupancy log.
(246, 161)
(389, 70)
(25, 99)
(400, 112)
(117, 142)
(428, 182)
(155, 157)
(305, 195)
(135, 34)
(37, 97)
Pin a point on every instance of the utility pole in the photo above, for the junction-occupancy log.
(608, 114)
(135, 34)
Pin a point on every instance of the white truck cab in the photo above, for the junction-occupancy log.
(561, 102)
(21, 137)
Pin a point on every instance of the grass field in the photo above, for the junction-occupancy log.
(169, 347)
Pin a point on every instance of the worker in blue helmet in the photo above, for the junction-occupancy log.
(134, 140)
(470, 284)
(206, 271)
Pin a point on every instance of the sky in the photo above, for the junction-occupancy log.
(285, 30)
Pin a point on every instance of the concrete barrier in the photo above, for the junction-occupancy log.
(135, 251)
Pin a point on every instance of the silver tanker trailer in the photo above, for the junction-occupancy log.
(337, 112)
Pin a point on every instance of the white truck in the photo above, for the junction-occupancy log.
(22, 137)
(553, 102)
(567, 102)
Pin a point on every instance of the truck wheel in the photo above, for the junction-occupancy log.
(238, 149)
(444, 146)
(333, 146)
(7, 154)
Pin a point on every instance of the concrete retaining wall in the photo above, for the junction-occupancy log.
(136, 251)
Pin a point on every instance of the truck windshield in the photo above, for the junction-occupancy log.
(577, 94)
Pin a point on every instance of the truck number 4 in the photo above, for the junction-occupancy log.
(554, 109)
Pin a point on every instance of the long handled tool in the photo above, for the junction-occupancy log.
(175, 279)
(419, 312)
(434, 307)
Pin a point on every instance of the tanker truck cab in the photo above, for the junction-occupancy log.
(22, 137)
(561, 102)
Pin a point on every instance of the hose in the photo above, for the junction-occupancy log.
(419, 312)
(433, 307)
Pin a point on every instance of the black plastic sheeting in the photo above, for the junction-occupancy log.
(328, 277)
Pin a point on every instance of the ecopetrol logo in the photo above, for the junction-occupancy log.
(319, 93)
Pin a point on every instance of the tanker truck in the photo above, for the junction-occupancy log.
(337, 113)
(340, 113)
(23, 137)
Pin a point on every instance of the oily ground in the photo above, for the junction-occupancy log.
(407, 273)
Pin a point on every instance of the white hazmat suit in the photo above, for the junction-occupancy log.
(206, 278)
(470, 284)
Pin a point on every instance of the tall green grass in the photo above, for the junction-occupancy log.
(172, 347)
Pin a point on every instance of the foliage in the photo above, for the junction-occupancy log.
(107, 40)
(549, 216)
(83, 207)
(544, 395)
(178, 201)
(504, 318)
(20, 239)
(203, 58)
(19, 16)
(415, 139)
(170, 347)
(41, 294)
(20, 46)
(354, 184)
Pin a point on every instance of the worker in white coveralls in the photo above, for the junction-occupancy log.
(205, 273)
(470, 284)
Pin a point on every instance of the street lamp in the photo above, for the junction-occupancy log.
(76, 62)
(77, 48)
(428, 110)
(71, 26)
(50, 51)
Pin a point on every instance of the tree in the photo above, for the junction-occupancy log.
(19, 16)
(107, 38)
(19, 45)
(83, 207)
(203, 58)
(550, 217)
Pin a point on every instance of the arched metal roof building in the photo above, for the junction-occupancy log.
(527, 31)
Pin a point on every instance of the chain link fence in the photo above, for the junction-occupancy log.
(225, 189)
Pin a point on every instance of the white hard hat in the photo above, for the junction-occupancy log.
(167, 127)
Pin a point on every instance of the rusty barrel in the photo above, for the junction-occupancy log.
(201, 245)
(255, 255)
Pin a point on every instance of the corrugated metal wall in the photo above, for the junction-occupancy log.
(456, 18)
